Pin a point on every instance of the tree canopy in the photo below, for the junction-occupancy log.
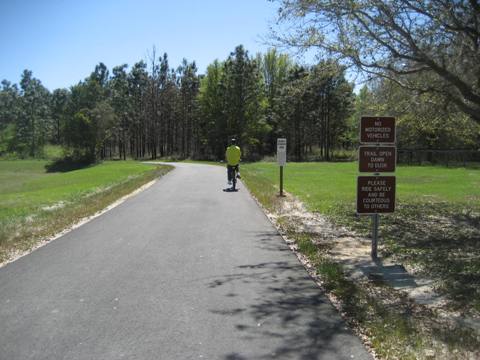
(152, 110)
(396, 39)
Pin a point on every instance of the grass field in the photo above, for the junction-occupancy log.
(436, 229)
(322, 186)
(31, 198)
(436, 226)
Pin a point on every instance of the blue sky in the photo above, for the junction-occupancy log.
(61, 41)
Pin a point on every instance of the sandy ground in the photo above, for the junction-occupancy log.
(354, 253)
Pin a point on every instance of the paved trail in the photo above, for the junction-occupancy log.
(183, 270)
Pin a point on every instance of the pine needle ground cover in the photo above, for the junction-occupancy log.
(35, 203)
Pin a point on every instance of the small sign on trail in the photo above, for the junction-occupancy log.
(281, 158)
(282, 151)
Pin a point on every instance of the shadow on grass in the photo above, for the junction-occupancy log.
(442, 239)
(66, 165)
(397, 327)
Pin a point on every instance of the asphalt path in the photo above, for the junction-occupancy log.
(183, 270)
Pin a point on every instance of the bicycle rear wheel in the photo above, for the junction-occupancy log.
(234, 180)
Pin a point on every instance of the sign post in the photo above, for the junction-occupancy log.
(374, 253)
(282, 159)
(281, 180)
(376, 194)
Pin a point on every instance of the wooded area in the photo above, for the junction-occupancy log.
(418, 61)
(154, 111)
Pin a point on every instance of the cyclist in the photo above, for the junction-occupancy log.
(233, 155)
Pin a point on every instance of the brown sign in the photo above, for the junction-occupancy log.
(377, 130)
(377, 158)
(375, 194)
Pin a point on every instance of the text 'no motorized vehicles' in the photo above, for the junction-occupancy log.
(377, 130)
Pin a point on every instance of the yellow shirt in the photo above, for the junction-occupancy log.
(233, 154)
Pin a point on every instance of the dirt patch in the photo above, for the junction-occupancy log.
(353, 253)
(54, 207)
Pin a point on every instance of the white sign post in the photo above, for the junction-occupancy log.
(282, 159)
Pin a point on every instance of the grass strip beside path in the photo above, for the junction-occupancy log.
(435, 228)
(35, 204)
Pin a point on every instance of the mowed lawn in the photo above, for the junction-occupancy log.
(31, 199)
(26, 186)
(323, 186)
(436, 225)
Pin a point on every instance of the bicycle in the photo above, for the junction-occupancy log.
(234, 170)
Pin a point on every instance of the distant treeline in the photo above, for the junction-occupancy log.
(151, 110)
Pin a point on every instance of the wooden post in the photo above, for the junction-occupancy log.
(281, 180)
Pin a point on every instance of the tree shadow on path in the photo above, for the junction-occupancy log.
(288, 311)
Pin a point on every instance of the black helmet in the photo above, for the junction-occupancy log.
(233, 141)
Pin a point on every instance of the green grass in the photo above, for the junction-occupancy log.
(324, 185)
(47, 152)
(391, 329)
(52, 152)
(436, 227)
(31, 199)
